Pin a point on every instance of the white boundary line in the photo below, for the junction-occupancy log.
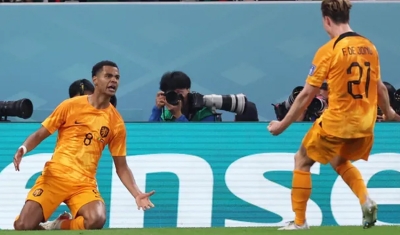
(188, 3)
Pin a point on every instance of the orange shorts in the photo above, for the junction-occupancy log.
(50, 192)
(322, 147)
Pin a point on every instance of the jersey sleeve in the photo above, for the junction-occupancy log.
(57, 118)
(320, 67)
(117, 145)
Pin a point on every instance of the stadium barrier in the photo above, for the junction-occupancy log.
(213, 175)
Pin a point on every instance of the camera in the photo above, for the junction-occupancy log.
(394, 98)
(317, 105)
(22, 108)
(231, 103)
(396, 101)
(172, 97)
(296, 91)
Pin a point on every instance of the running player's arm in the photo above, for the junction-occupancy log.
(49, 126)
(117, 148)
(316, 76)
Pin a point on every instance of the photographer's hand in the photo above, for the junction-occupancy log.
(160, 99)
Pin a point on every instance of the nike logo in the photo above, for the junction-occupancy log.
(76, 122)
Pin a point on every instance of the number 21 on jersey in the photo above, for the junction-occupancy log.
(356, 84)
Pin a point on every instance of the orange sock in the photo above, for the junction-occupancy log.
(301, 192)
(73, 224)
(352, 176)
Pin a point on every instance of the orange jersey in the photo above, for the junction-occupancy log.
(350, 65)
(83, 132)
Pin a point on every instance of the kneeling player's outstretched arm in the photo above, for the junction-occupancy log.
(117, 147)
(36, 138)
(125, 175)
(49, 126)
(30, 143)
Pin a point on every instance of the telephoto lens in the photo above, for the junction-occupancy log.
(22, 108)
(296, 91)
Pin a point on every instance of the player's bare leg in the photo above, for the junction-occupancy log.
(94, 214)
(301, 190)
(90, 216)
(352, 177)
(30, 218)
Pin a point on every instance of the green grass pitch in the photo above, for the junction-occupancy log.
(328, 230)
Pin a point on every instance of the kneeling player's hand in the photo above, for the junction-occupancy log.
(143, 202)
(18, 157)
(275, 127)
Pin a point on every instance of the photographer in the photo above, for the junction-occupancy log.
(314, 110)
(394, 97)
(80, 87)
(85, 87)
(175, 88)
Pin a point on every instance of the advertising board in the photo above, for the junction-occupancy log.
(213, 175)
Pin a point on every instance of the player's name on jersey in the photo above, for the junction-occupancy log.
(359, 50)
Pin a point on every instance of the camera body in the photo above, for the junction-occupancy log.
(172, 97)
(396, 101)
(314, 110)
(318, 104)
(394, 98)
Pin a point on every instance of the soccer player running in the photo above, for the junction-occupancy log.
(344, 133)
(85, 124)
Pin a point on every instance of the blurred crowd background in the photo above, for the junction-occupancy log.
(223, 49)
